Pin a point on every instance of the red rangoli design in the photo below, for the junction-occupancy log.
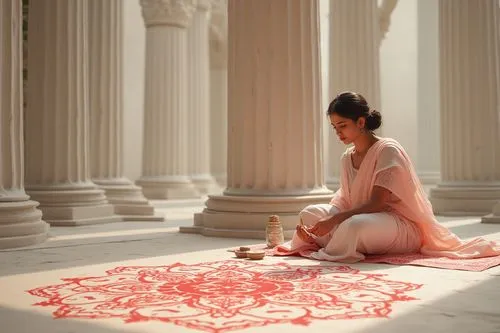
(226, 295)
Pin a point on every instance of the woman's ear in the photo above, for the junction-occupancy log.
(361, 122)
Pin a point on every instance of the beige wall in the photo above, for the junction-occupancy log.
(398, 75)
(428, 160)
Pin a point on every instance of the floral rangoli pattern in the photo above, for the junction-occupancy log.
(227, 295)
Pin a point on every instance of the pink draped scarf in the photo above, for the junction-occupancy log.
(398, 176)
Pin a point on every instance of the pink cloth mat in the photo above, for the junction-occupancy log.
(414, 259)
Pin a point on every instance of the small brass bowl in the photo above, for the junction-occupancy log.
(256, 255)
(244, 248)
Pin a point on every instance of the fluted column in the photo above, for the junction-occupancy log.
(199, 101)
(470, 91)
(57, 141)
(494, 217)
(218, 91)
(274, 147)
(20, 220)
(354, 48)
(165, 155)
(354, 63)
(106, 112)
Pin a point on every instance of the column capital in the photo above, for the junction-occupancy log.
(384, 15)
(168, 12)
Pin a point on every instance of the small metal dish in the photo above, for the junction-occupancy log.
(256, 255)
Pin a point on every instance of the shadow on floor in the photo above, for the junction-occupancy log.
(111, 250)
(21, 321)
(475, 309)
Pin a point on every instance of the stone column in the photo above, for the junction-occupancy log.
(274, 147)
(495, 216)
(470, 91)
(199, 101)
(106, 112)
(354, 63)
(165, 169)
(218, 91)
(20, 220)
(57, 140)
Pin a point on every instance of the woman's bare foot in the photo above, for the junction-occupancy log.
(304, 235)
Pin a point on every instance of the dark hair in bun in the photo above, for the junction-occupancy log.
(352, 105)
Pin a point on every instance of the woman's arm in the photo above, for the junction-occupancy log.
(377, 203)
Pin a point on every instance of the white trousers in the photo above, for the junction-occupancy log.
(376, 233)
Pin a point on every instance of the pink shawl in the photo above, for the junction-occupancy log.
(386, 164)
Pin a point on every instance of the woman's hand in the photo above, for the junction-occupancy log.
(326, 224)
(304, 234)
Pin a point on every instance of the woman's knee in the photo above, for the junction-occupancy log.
(312, 214)
(308, 215)
(307, 210)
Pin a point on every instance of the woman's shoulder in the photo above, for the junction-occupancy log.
(390, 144)
(390, 149)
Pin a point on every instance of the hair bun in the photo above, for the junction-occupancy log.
(374, 120)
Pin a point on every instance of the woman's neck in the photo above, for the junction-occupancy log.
(364, 142)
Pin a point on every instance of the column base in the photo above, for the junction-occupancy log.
(179, 203)
(128, 200)
(75, 216)
(494, 217)
(166, 189)
(21, 224)
(464, 199)
(491, 218)
(73, 205)
(206, 184)
(247, 216)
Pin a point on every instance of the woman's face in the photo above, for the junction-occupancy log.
(347, 129)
